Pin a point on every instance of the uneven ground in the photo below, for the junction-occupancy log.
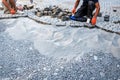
(32, 51)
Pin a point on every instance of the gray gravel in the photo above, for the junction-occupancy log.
(32, 51)
(20, 60)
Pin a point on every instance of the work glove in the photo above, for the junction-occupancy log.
(73, 11)
(12, 11)
(94, 20)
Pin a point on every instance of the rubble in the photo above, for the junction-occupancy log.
(28, 7)
(54, 11)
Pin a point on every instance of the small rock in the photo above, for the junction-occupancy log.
(17, 49)
(53, 16)
(48, 69)
(95, 58)
(39, 70)
(118, 65)
(38, 9)
(91, 55)
(55, 73)
(46, 9)
(81, 76)
(45, 79)
(49, 13)
(66, 10)
(61, 67)
(65, 13)
(60, 15)
(39, 14)
(92, 78)
(57, 70)
(44, 68)
(102, 74)
(30, 48)
(25, 7)
(58, 10)
(30, 6)
(45, 13)
(7, 79)
(0, 67)
(65, 18)
(69, 14)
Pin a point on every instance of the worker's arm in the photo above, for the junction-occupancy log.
(6, 4)
(76, 3)
(75, 6)
(13, 4)
(94, 19)
(97, 9)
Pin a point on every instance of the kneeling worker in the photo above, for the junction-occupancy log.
(9, 6)
(87, 9)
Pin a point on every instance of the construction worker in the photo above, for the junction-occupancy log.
(86, 9)
(9, 6)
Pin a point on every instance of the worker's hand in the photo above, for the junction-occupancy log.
(94, 20)
(73, 10)
(12, 11)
